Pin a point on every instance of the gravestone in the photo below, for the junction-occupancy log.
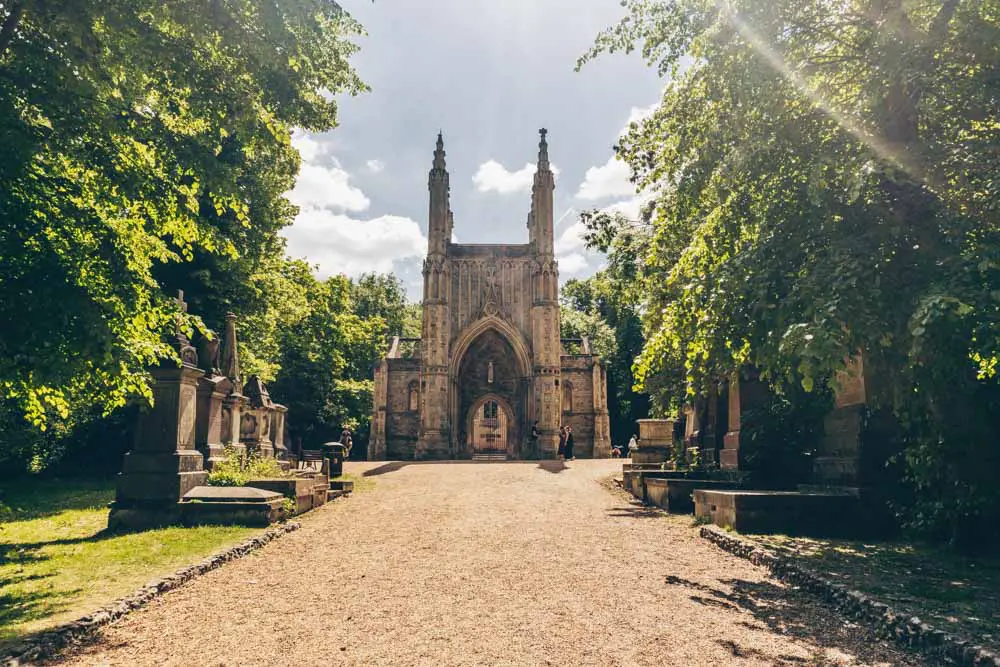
(163, 464)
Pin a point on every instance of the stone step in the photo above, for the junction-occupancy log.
(489, 456)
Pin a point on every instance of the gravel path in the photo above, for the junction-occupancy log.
(488, 564)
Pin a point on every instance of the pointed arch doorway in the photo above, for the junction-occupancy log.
(489, 426)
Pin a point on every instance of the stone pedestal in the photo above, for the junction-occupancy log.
(656, 441)
(744, 395)
(255, 432)
(278, 429)
(212, 392)
(163, 464)
(232, 411)
(255, 422)
(839, 451)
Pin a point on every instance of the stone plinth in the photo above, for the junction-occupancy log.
(787, 512)
(239, 505)
(744, 395)
(307, 492)
(676, 495)
(232, 411)
(163, 464)
(656, 441)
(839, 451)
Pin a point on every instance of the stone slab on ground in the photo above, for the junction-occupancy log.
(789, 512)
(676, 495)
(238, 494)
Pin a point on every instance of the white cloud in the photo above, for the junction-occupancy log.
(341, 244)
(375, 166)
(320, 187)
(629, 207)
(607, 181)
(309, 149)
(571, 240)
(494, 177)
(637, 114)
(572, 264)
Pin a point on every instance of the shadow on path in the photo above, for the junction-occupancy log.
(791, 613)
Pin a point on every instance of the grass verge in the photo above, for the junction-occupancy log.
(953, 593)
(362, 484)
(58, 562)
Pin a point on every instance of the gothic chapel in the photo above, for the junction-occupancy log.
(490, 362)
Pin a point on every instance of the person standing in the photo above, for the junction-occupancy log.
(534, 437)
(562, 441)
(568, 450)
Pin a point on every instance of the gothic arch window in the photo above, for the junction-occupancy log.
(567, 399)
(414, 397)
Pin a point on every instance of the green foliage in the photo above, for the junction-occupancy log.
(237, 469)
(610, 301)
(825, 182)
(326, 363)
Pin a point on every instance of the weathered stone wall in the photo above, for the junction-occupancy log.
(577, 382)
(401, 424)
(469, 287)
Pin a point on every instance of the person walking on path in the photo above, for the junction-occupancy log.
(562, 441)
(568, 449)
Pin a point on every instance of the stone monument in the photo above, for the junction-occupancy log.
(163, 464)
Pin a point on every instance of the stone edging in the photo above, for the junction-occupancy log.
(886, 622)
(46, 644)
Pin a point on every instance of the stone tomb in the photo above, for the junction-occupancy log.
(197, 411)
(224, 505)
(831, 505)
(676, 494)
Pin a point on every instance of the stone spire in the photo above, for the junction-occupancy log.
(438, 232)
(439, 153)
(542, 200)
(231, 354)
(543, 151)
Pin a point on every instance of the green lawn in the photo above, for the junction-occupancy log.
(362, 484)
(951, 592)
(57, 562)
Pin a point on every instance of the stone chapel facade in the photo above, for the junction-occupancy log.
(490, 361)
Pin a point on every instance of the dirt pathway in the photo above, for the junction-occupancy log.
(488, 564)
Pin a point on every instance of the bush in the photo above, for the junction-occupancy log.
(237, 469)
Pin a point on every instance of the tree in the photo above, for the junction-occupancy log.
(382, 295)
(611, 296)
(147, 147)
(325, 379)
(826, 183)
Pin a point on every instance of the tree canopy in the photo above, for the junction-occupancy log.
(140, 135)
(825, 180)
(147, 149)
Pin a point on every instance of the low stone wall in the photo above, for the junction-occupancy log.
(46, 645)
(908, 630)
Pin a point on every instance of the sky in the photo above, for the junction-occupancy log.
(488, 74)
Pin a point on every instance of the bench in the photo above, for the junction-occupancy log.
(310, 457)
